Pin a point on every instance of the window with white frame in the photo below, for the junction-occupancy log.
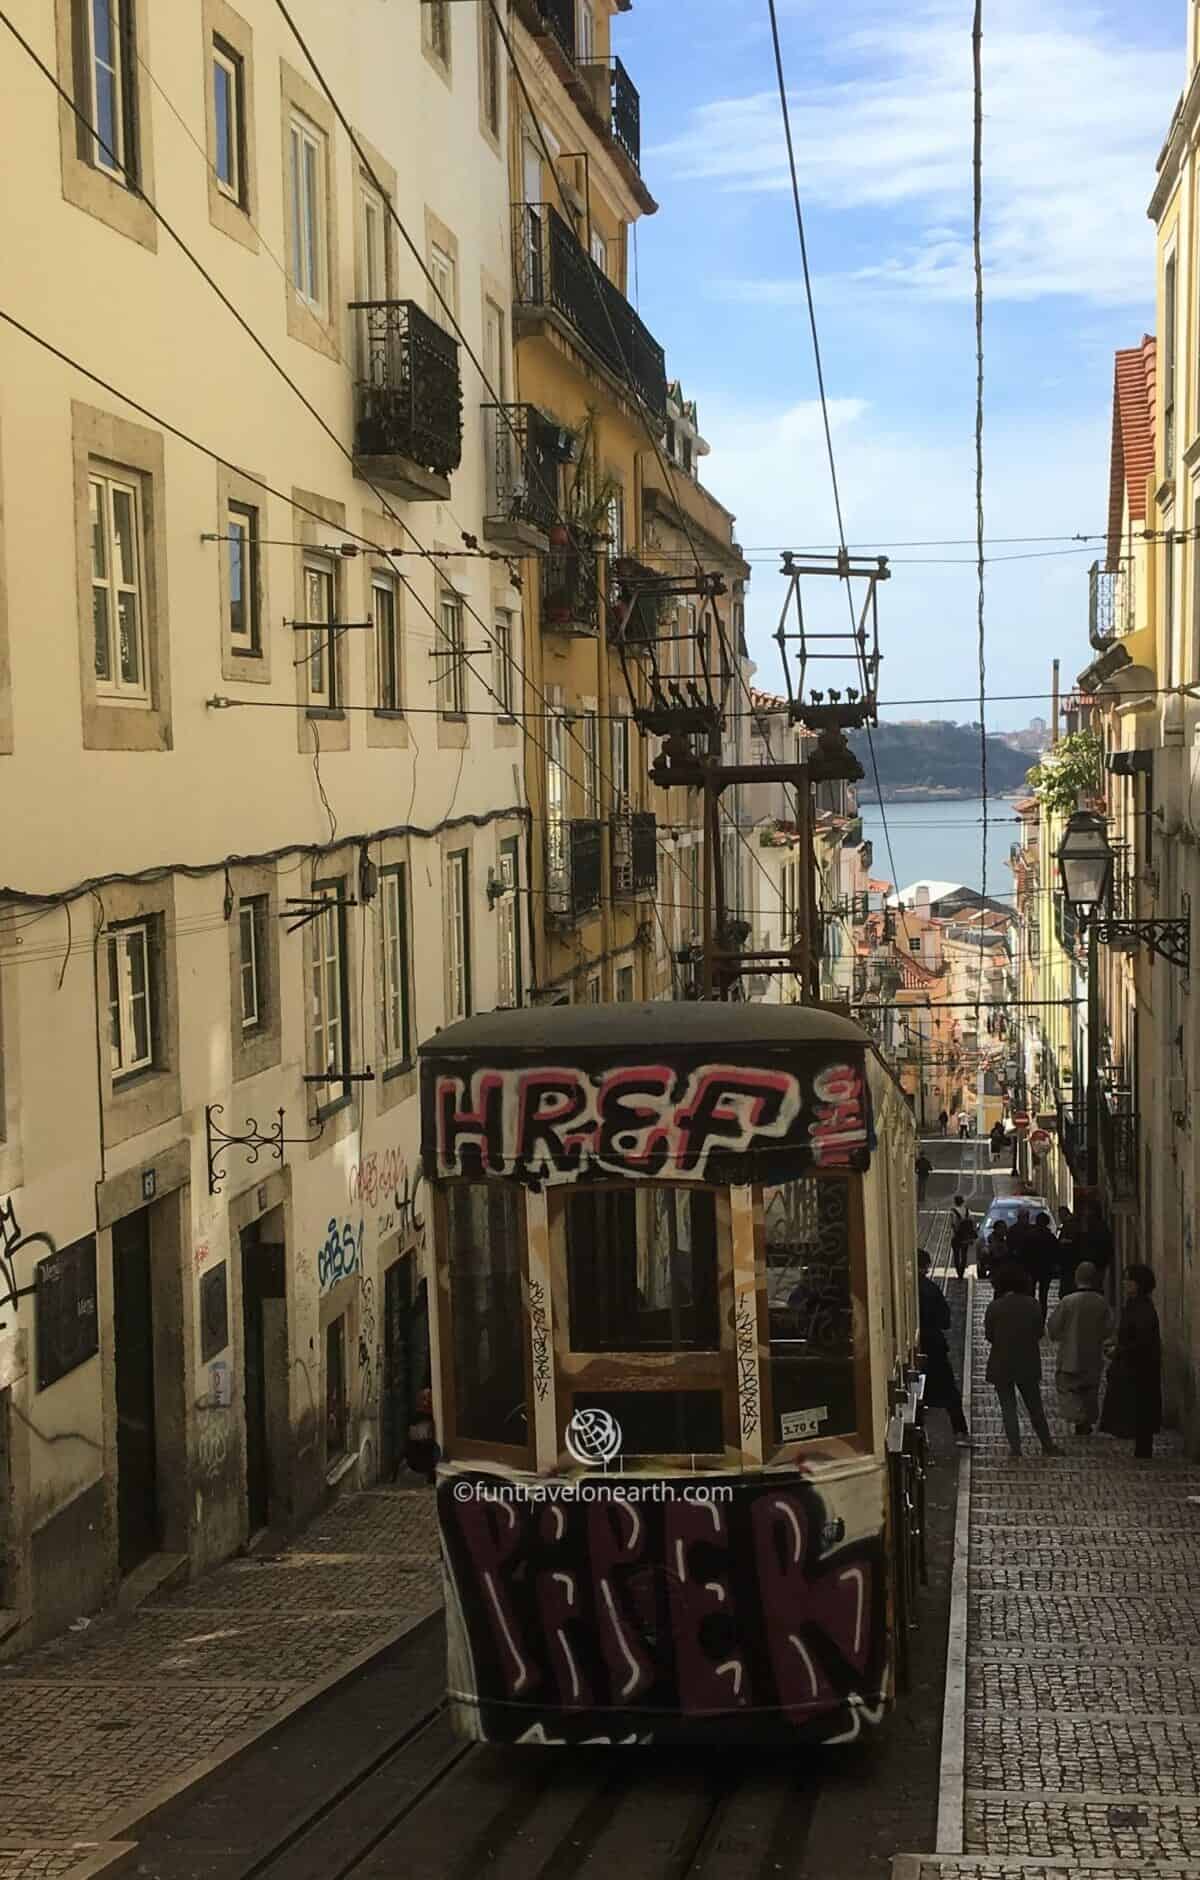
(436, 14)
(308, 232)
(458, 934)
(599, 251)
(489, 74)
(252, 948)
(625, 985)
(586, 32)
(393, 913)
(385, 611)
(373, 281)
(509, 914)
(451, 656)
(505, 684)
(441, 269)
(320, 614)
(245, 627)
(616, 524)
(130, 998)
(557, 867)
(118, 587)
(107, 28)
(1169, 606)
(589, 730)
(593, 989)
(229, 122)
(620, 763)
(329, 994)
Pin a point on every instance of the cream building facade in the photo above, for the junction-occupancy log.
(267, 822)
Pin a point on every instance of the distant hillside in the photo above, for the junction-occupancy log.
(934, 759)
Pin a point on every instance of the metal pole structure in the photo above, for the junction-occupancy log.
(1093, 1057)
(706, 928)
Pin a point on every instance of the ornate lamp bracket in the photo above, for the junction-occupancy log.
(251, 1139)
(1170, 939)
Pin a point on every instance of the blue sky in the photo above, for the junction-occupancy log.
(1078, 98)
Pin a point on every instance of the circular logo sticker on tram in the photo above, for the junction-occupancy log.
(593, 1437)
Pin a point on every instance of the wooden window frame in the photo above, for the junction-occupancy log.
(322, 641)
(108, 480)
(508, 914)
(247, 643)
(389, 670)
(393, 883)
(468, 1449)
(332, 920)
(458, 870)
(304, 135)
(256, 906)
(120, 1009)
(230, 61)
(451, 655)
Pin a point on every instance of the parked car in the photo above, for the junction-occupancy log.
(1006, 1208)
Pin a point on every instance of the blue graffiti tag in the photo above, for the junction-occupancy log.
(341, 1255)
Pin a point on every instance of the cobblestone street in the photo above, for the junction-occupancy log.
(1081, 1731)
(104, 1722)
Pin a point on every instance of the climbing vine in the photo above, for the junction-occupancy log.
(1074, 768)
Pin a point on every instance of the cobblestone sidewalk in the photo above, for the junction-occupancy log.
(105, 1723)
(1082, 1723)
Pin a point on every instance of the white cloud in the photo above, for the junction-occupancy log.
(1075, 111)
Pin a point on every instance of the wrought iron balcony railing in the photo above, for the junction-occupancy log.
(1110, 603)
(408, 394)
(555, 18)
(573, 869)
(634, 836)
(1072, 1134)
(1066, 924)
(616, 104)
(1119, 1135)
(524, 454)
(551, 270)
(571, 586)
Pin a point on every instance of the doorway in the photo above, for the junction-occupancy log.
(397, 1370)
(139, 1526)
(264, 1347)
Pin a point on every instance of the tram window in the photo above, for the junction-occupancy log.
(811, 1309)
(642, 1269)
(661, 1422)
(485, 1233)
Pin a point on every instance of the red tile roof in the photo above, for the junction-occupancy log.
(1132, 457)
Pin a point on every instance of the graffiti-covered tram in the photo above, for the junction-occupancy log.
(672, 1342)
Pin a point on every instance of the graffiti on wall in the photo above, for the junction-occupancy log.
(13, 1242)
(695, 1620)
(383, 1182)
(539, 1333)
(745, 1332)
(341, 1255)
(694, 1120)
(370, 1351)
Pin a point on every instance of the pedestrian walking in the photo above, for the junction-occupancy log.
(1018, 1239)
(1080, 1325)
(995, 1251)
(964, 1126)
(1133, 1394)
(1041, 1256)
(997, 1139)
(943, 1121)
(924, 1168)
(962, 1234)
(941, 1386)
(1069, 1252)
(1012, 1326)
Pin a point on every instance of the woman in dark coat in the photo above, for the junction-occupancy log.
(1133, 1397)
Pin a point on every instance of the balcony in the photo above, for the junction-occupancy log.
(407, 401)
(1072, 1134)
(524, 452)
(614, 104)
(1066, 924)
(632, 600)
(571, 587)
(573, 868)
(1119, 1134)
(554, 278)
(1110, 604)
(634, 836)
(553, 20)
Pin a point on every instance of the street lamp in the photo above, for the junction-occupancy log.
(1085, 863)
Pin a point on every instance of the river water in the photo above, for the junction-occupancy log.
(942, 841)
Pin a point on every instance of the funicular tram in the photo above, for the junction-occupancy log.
(673, 1345)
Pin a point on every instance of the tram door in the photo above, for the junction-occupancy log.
(138, 1526)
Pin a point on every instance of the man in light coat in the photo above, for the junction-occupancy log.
(1079, 1326)
(1012, 1326)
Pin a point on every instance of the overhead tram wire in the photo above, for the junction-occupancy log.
(785, 111)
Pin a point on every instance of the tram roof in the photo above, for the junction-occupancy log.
(681, 1024)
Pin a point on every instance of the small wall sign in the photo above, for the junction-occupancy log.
(797, 1425)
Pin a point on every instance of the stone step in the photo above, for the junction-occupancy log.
(997, 1867)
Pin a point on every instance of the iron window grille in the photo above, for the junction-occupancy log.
(574, 883)
(408, 396)
(524, 454)
(1110, 603)
(571, 587)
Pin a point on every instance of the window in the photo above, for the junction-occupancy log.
(586, 31)
(441, 269)
(590, 739)
(486, 1232)
(393, 899)
(648, 1290)
(458, 925)
(489, 76)
(229, 119)
(504, 663)
(337, 1400)
(245, 634)
(620, 763)
(108, 57)
(329, 997)
(451, 657)
(599, 251)
(616, 524)
(593, 989)
(1170, 316)
(117, 588)
(1169, 606)
(625, 985)
(437, 28)
(373, 284)
(252, 939)
(385, 613)
(812, 1277)
(320, 613)
(509, 914)
(130, 999)
(557, 869)
(308, 212)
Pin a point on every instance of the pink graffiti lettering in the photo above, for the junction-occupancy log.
(729, 1108)
(697, 1548)
(841, 1125)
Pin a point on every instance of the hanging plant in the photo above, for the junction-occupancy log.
(1074, 768)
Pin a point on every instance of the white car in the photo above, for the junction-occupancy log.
(1007, 1207)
